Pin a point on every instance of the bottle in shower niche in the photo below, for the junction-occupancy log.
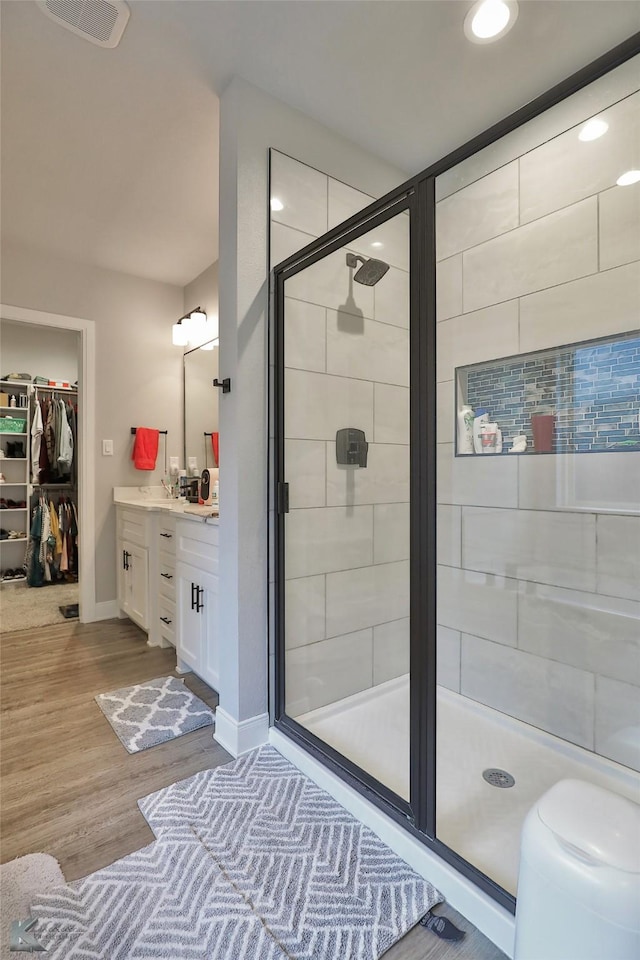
(465, 429)
(480, 418)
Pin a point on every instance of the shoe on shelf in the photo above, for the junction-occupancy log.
(2, 478)
(3, 504)
(16, 534)
(8, 575)
(3, 534)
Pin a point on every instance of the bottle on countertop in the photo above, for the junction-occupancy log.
(13, 402)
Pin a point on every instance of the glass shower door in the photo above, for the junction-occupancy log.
(346, 464)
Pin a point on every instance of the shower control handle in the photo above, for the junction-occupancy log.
(351, 447)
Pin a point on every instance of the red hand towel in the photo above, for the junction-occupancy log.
(215, 443)
(145, 448)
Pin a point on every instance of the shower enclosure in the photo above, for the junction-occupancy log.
(456, 497)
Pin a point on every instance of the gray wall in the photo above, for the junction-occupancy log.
(138, 371)
(39, 351)
(203, 291)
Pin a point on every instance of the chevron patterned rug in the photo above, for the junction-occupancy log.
(153, 712)
(252, 860)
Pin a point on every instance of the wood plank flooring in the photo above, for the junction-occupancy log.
(67, 785)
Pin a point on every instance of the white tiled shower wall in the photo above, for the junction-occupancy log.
(347, 365)
(539, 576)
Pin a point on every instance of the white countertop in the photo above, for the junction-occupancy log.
(155, 498)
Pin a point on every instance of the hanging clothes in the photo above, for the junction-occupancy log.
(33, 562)
(50, 434)
(65, 444)
(37, 429)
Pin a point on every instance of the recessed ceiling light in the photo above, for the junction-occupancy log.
(276, 204)
(488, 20)
(594, 128)
(626, 179)
(377, 243)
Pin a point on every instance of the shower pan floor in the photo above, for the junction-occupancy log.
(479, 821)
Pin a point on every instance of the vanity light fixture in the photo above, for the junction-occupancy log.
(210, 333)
(190, 329)
(179, 334)
(489, 20)
(626, 179)
(592, 129)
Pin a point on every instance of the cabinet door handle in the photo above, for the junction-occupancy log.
(169, 536)
(167, 576)
(165, 620)
(125, 559)
(193, 596)
(199, 605)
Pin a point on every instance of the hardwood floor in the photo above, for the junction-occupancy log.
(67, 785)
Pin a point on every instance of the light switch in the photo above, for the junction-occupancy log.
(107, 448)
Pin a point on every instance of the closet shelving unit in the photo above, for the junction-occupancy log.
(16, 483)
(17, 471)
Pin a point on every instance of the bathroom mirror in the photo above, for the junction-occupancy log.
(200, 405)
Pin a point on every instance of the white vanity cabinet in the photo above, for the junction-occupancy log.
(133, 565)
(168, 580)
(197, 638)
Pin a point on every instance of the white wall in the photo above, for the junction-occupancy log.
(347, 364)
(251, 123)
(138, 375)
(39, 351)
(539, 577)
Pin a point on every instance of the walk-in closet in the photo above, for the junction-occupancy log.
(39, 505)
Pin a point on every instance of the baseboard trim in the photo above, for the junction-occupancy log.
(106, 610)
(491, 919)
(240, 737)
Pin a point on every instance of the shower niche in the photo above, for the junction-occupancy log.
(577, 398)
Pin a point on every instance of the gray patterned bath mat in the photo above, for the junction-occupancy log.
(252, 860)
(153, 712)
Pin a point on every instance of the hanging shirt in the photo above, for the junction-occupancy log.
(65, 455)
(50, 434)
(37, 429)
(55, 529)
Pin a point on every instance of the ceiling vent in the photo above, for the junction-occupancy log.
(99, 21)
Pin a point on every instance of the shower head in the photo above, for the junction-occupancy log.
(371, 270)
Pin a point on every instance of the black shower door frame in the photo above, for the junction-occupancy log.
(417, 196)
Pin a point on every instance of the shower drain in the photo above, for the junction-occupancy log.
(498, 778)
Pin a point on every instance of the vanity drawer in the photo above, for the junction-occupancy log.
(167, 533)
(197, 544)
(133, 526)
(167, 619)
(167, 575)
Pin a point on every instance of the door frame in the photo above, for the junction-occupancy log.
(86, 434)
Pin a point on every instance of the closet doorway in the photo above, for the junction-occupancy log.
(47, 489)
